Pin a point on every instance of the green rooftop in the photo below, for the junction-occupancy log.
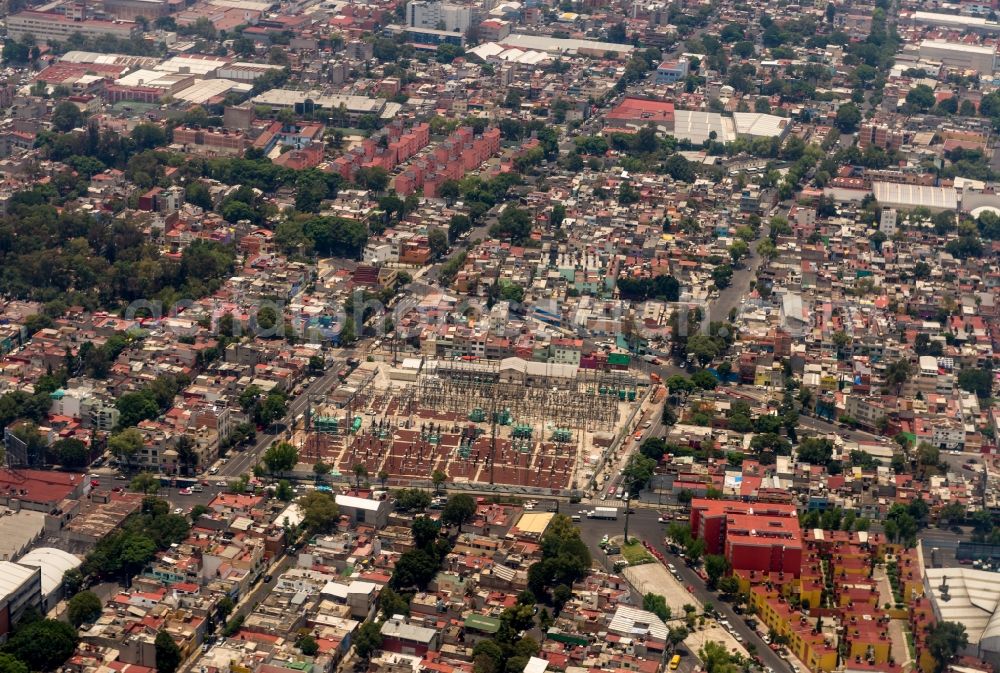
(482, 623)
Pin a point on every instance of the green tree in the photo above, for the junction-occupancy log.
(168, 655)
(72, 581)
(425, 531)
(284, 491)
(704, 380)
(715, 567)
(70, 452)
(437, 240)
(815, 451)
(320, 469)
(414, 570)
(135, 407)
(459, 510)
(391, 603)
(514, 223)
(225, 607)
(42, 644)
(898, 373)
(412, 499)
(307, 645)
(945, 640)
(921, 97)
(848, 118)
(738, 250)
(375, 179)
(11, 664)
(654, 448)
(319, 511)
(438, 478)
(281, 457)
(703, 347)
(66, 116)
(729, 586)
(368, 641)
(83, 607)
(978, 381)
(145, 482)
(656, 604)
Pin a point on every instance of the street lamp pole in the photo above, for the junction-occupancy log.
(627, 509)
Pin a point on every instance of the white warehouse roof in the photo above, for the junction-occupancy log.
(54, 564)
(358, 503)
(696, 126)
(972, 600)
(956, 20)
(562, 46)
(911, 196)
(12, 576)
(759, 125)
(629, 621)
(959, 46)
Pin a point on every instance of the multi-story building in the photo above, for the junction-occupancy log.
(211, 141)
(669, 72)
(960, 55)
(887, 221)
(494, 30)
(948, 434)
(130, 10)
(865, 410)
(51, 27)
(438, 16)
(881, 135)
(20, 589)
(752, 536)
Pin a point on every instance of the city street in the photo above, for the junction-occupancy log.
(643, 525)
(244, 461)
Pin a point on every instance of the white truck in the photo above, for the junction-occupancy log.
(610, 513)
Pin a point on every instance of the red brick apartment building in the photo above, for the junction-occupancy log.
(368, 153)
(451, 159)
(752, 536)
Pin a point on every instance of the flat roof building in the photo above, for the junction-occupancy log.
(960, 55)
(898, 195)
(20, 589)
(969, 597)
(40, 490)
(639, 112)
(354, 106)
(960, 21)
(555, 45)
(363, 510)
(751, 535)
(53, 564)
(47, 27)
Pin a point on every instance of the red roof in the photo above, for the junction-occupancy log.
(643, 109)
(39, 486)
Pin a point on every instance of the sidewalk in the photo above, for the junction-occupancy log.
(897, 630)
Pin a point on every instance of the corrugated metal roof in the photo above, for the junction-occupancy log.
(629, 621)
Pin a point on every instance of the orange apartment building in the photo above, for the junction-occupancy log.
(367, 154)
(211, 141)
(880, 135)
(834, 584)
(460, 153)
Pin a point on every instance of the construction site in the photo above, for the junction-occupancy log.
(510, 422)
